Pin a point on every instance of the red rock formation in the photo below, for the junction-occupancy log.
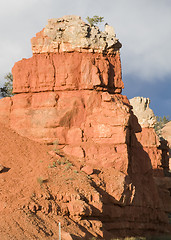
(69, 91)
(68, 71)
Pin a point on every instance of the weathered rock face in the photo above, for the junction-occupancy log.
(144, 113)
(70, 33)
(69, 91)
(68, 71)
(89, 124)
(147, 137)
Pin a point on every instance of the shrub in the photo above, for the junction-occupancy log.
(160, 123)
(7, 89)
(94, 20)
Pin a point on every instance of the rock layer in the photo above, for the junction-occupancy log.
(71, 98)
(71, 34)
(68, 71)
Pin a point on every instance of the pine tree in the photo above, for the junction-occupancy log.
(7, 89)
(94, 20)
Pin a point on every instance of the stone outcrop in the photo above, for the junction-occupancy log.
(144, 113)
(72, 34)
(147, 137)
(157, 149)
(70, 91)
(147, 119)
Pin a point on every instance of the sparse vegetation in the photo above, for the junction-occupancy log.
(59, 162)
(40, 180)
(160, 123)
(70, 179)
(55, 144)
(54, 164)
(68, 165)
(143, 238)
(65, 160)
(93, 238)
(62, 161)
(94, 20)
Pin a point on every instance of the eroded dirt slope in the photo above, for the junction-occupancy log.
(27, 166)
(39, 189)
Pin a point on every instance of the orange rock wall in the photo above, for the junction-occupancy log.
(68, 71)
(150, 142)
(87, 123)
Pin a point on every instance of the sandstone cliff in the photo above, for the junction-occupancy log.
(69, 92)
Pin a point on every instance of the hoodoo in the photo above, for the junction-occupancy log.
(69, 92)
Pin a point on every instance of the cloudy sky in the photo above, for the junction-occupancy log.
(142, 26)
